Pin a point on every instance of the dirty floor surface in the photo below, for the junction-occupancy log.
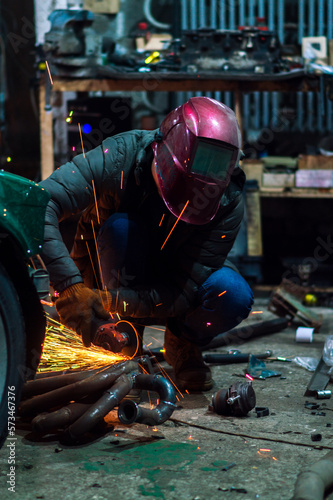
(186, 457)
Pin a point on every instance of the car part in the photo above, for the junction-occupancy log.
(238, 400)
(248, 50)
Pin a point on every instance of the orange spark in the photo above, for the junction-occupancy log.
(81, 141)
(159, 329)
(165, 375)
(161, 220)
(97, 252)
(121, 180)
(159, 304)
(93, 268)
(274, 458)
(97, 212)
(187, 391)
(150, 403)
(223, 236)
(264, 449)
(222, 293)
(173, 227)
(49, 72)
(256, 312)
(46, 303)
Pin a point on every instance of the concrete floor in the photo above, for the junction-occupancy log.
(184, 458)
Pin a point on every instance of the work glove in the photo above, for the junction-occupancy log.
(77, 306)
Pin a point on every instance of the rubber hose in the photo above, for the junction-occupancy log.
(312, 483)
(151, 19)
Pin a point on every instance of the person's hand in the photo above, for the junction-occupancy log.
(78, 305)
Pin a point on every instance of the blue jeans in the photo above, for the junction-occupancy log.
(223, 300)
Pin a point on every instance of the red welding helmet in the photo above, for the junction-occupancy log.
(198, 147)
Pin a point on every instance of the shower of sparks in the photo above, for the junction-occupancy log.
(222, 293)
(84, 155)
(97, 212)
(63, 350)
(173, 227)
(160, 224)
(49, 72)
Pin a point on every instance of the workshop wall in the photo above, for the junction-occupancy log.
(20, 129)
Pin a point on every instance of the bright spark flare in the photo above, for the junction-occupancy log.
(49, 72)
(84, 155)
(161, 220)
(222, 293)
(96, 205)
(97, 253)
(173, 227)
(63, 350)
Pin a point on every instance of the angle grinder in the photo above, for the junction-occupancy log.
(116, 336)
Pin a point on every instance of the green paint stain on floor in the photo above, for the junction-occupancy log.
(150, 459)
(145, 456)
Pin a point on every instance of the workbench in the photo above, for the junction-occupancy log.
(293, 81)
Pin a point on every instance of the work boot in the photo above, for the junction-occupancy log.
(191, 372)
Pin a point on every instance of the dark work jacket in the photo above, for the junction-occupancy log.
(120, 172)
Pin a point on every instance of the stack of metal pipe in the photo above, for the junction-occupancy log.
(77, 402)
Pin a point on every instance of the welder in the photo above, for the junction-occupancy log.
(160, 211)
